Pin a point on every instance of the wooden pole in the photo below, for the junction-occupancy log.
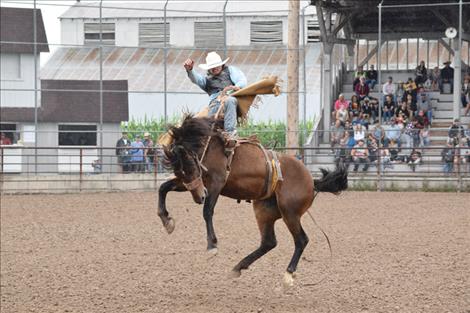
(293, 76)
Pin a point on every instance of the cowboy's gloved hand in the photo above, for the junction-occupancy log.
(188, 65)
(235, 88)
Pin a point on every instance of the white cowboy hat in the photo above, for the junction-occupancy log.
(213, 60)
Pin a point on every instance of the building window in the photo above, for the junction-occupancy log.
(11, 65)
(209, 34)
(153, 34)
(92, 33)
(77, 135)
(266, 32)
(313, 31)
(8, 133)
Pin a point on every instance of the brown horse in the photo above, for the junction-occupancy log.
(199, 161)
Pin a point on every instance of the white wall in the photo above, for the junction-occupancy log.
(72, 32)
(21, 98)
(127, 33)
(182, 32)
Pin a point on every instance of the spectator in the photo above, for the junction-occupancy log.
(409, 91)
(97, 166)
(362, 89)
(421, 120)
(448, 154)
(465, 95)
(414, 159)
(367, 111)
(385, 159)
(393, 133)
(360, 154)
(394, 149)
(447, 76)
(425, 137)
(342, 155)
(149, 152)
(359, 131)
(371, 77)
(4, 140)
(389, 108)
(340, 102)
(408, 135)
(465, 153)
(337, 133)
(400, 91)
(425, 105)
(421, 73)
(123, 154)
(412, 105)
(342, 116)
(456, 130)
(373, 147)
(357, 76)
(403, 112)
(435, 78)
(354, 108)
(389, 89)
(137, 155)
(379, 133)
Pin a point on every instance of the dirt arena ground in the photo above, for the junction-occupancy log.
(392, 252)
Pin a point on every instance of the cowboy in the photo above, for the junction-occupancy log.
(220, 80)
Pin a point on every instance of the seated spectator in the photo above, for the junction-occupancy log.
(412, 106)
(371, 77)
(367, 111)
(447, 76)
(4, 140)
(360, 154)
(409, 135)
(359, 131)
(385, 159)
(362, 89)
(410, 84)
(448, 154)
(389, 89)
(421, 120)
(342, 116)
(393, 133)
(465, 95)
(137, 155)
(425, 105)
(337, 133)
(357, 76)
(379, 133)
(421, 73)
(410, 91)
(394, 150)
(425, 136)
(400, 91)
(414, 159)
(389, 108)
(465, 153)
(456, 130)
(339, 103)
(403, 112)
(354, 108)
(435, 78)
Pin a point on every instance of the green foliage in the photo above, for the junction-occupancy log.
(270, 133)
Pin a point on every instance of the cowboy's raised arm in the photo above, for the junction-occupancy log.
(237, 76)
(194, 76)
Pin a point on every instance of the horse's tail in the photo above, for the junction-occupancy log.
(332, 181)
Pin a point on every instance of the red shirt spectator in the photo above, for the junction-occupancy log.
(4, 140)
(341, 102)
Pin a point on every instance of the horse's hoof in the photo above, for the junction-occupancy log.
(288, 279)
(234, 274)
(170, 225)
(212, 252)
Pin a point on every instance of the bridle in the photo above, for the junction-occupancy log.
(197, 182)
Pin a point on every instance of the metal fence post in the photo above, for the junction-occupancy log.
(81, 168)
(379, 66)
(101, 81)
(35, 49)
(225, 28)
(165, 60)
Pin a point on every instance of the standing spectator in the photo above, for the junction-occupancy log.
(4, 140)
(421, 73)
(360, 154)
(337, 133)
(371, 77)
(362, 89)
(435, 78)
(343, 154)
(137, 155)
(357, 76)
(447, 76)
(448, 154)
(149, 152)
(123, 154)
(425, 105)
(466, 95)
(389, 89)
(389, 108)
(414, 159)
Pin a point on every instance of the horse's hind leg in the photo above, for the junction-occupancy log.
(266, 213)
(292, 221)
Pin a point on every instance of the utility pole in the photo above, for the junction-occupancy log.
(293, 76)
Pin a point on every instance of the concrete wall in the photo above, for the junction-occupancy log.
(20, 98)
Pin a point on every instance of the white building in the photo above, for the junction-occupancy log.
(255, 38)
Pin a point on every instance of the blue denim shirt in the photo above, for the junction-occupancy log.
(236, 75)
(137, 151)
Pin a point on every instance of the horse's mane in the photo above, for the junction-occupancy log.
(193, 132)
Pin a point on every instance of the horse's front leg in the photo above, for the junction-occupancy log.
(208, 213)
(170, 185)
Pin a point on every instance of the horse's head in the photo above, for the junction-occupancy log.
(185, 153)
(188, 169)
